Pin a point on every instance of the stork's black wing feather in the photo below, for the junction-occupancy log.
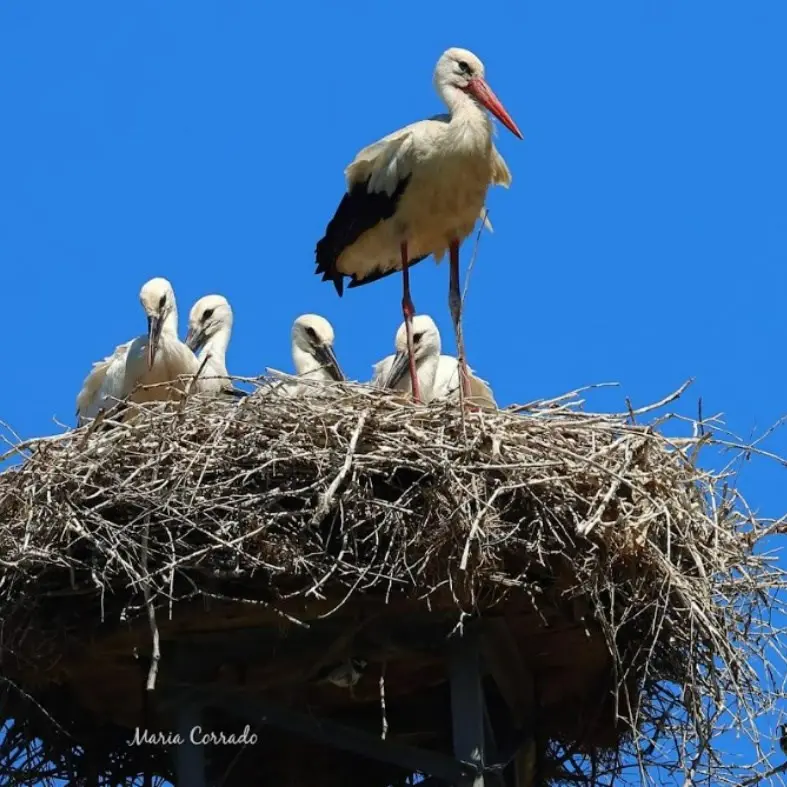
(358, 212)
(381, 274)
(234, 393)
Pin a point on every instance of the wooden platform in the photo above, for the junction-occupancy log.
(225, 665)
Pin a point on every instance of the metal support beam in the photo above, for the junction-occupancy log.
(492, 751)
(517, 687)
(328, 732)
(189, 759)
(467, 703)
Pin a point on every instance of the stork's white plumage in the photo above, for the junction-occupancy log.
(313, 357)
(312, 349)
(393, 372)
(148, 368)
(419, 191)
(210, 329)
(438, 375)
(446, 384)
(103, 387)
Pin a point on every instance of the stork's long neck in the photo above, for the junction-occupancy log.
(169, 327)
(427, 372)
(216, 347)
(307, 365)
(470, 122)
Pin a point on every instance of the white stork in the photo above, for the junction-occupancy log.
(103, 387)
(210, 328)
(419, 191)
(394, 371)
(313, 357)
(154, 360)
(312, 349)
(438, 375)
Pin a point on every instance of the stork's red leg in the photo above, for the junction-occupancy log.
(409, 310)
(455, 304)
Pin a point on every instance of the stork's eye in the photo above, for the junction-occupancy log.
(464, 67)
(162, 301)
(312, 333)
(417, 337)
(208, 314)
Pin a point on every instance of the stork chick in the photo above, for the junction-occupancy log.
(210, 329)
(438, 374)
(312, 349)
(394, 371)
(150, 367)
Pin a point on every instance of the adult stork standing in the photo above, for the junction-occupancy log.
(419, 191)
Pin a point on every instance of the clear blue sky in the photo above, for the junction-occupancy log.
(644, 239)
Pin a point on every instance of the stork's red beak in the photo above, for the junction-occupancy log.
(478, 88)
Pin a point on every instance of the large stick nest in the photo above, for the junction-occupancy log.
(359, 524)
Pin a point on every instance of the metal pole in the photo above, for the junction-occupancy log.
(189, 757)
(467, 703)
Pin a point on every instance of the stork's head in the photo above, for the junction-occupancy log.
(460, 69)
(426, 344)
(313, 335)
(208, 316)
(457, 67)
(158, 301)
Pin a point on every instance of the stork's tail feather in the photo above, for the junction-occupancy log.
(326, 264)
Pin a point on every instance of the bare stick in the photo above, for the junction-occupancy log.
(327, 498)
(383, 712)
(155, 657)
(662, 402)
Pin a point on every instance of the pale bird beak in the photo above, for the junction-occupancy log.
(326, 356)
(195, 339)
(154, 331)
(400, 365)
(478, 88)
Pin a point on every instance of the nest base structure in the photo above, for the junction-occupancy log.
(453, 692)
(525, 589)
(445, 726)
